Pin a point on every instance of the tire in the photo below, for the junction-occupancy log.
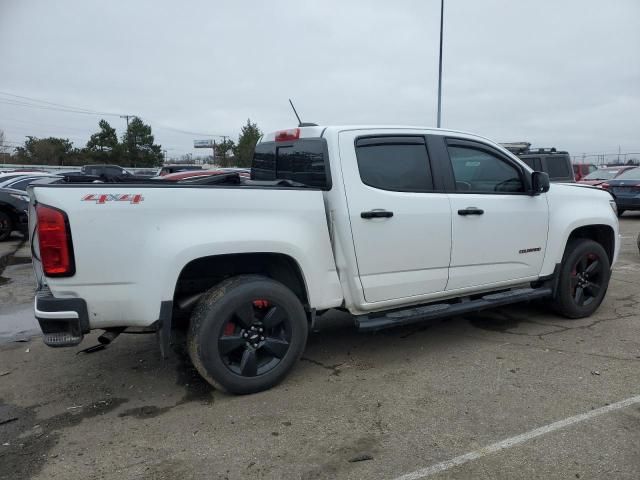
(620, 212)
(6, 226)
(583, 280)
(247, 333)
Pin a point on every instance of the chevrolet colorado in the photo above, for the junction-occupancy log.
(392, 224)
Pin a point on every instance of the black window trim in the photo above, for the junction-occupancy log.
(325, 151)
(465, 143)
(397, 139)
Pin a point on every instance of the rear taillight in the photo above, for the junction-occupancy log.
(288, 135)
(54, 238)
(606, 186)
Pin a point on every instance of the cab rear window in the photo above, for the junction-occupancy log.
(303, 161)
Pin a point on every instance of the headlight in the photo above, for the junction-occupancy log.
(24, 198)
(614, 207)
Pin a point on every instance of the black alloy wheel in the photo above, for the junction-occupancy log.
(583, 279)
(255, 338)
(247, 333)
(586, 279)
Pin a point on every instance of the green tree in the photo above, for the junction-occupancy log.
(104, 140)
(224, 152)
(44, 151)
(249, 136)
(103, 146)
(140, 149)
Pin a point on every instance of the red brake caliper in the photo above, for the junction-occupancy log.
(260, 303)
(229, 328)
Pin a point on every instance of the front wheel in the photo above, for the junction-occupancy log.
(247, 333)
(6, 226)
(584, 278)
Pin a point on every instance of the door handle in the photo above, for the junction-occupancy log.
(376, 214)
(470, 211)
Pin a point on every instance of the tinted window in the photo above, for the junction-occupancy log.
(633, 174)
(303, 161)
(558, 167)
(479, 171)
(402, 167)
(534, 163)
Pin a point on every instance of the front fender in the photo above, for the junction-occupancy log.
(570, 208)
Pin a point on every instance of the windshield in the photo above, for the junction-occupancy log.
(633, 174)
(602, 175)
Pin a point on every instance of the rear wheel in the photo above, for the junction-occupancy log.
(6, 226)
(247, 333)
(584, 278)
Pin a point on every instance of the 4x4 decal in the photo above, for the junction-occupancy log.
(101, 198)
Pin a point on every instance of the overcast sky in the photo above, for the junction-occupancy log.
(552, 72)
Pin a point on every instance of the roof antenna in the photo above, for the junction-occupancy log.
(300, 122)
(296, 113)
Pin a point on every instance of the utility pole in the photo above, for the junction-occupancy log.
(128, 140)
(440, 64)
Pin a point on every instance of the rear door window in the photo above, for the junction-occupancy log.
(399, 164)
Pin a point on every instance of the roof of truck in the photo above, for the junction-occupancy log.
(319, 130)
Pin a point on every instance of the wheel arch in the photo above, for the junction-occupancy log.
(201, 274)
(600, 233)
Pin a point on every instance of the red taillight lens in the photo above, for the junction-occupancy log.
(54, 238)
(604, 185)
(288, 135)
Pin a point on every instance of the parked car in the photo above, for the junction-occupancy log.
(581, 170)
(601, 175)
(14, 203)
(13, 212)
(167, 169)
(625, 188)
(105, 172)
(195, 174)
(14, 174)
(556, 163)
(21, 182)
(358, 218)
(182, 175)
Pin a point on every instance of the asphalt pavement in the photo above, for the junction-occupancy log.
(514, 393)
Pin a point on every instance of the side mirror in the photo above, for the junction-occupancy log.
(539, 183)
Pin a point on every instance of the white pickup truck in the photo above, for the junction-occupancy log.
(392, 224)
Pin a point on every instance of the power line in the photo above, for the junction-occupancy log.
(86, 111)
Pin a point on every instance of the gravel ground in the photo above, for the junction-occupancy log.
(357, 406)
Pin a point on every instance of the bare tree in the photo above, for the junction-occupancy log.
(4, 148)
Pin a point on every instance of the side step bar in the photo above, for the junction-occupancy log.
(408, 316)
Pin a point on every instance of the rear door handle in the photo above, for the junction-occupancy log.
(470, 211)
(376, 214)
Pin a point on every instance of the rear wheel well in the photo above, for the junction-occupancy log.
(201, 274)
(603, 234)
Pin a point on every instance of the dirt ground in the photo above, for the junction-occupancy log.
(357, 406)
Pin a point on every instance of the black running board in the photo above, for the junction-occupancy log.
(408, 316)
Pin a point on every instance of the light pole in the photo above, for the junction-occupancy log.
(440, 64)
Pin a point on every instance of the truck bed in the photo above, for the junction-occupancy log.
(132, 240)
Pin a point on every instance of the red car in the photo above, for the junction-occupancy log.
(601, 175)
(193, 174)
(581, 170)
